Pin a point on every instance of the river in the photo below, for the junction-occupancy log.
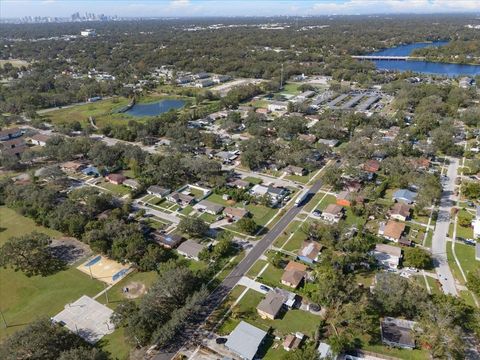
(425, 67)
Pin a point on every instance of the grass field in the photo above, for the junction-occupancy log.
(253, 180)
(15, 63)
(34, 297)
(102, 111)
(261, 214)
(14, 224)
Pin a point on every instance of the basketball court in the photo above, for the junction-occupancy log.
(87, 318)
(101, 268)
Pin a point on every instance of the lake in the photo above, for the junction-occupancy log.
(425, 67)
(155, 108)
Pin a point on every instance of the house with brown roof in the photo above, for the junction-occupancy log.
(169, 241)
(235, 213)
(309, 251)
(393, 230)
(39, 139)
(310, 138)
(15, 146)
(294, 274)
(116, 179)
(371, 166)
(270, 306)
(400, 211)
(293, 341)
(333, 213)
(72, 166)
(294, 170)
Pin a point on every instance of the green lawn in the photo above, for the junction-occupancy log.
(312, 204)
(289, 322)
(352, 219)
(253, 180)
(115, 294)
(466, 256)
(291, 88)
(292, 227)
(34, 297)
(398, 353)
(271, 276)
(256, 268)
(301, 179)
(14, 224)
(453, 264)
(261, 214)
(119, 190)
(217, 199)
(296, 241)
(116, 344)
(329, 199)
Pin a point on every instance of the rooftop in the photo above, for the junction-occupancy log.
(245, 340)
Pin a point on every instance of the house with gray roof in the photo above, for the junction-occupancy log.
(208, 207)
(271, 305)
(190, 249)
(158, 191)
(245, 340)
(404, 195)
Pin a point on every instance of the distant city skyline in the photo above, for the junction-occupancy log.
(189, 8)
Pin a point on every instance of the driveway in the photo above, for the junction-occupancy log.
(148, 210)
(439, 240)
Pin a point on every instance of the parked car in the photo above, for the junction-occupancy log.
(264, 288)
(221, 340)
(317, 213)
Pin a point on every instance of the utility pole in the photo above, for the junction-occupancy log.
(281, 78)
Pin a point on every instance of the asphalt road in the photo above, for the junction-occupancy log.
(439, 240)
(217, 296)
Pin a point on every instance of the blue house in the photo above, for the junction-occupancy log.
(404, 195)
(91, 171)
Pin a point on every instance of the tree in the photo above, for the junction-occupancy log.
(417, 258)
(248, 225)
(193, 226)
(83, 353)
(40, 340)
(30, 254)
(471, 190)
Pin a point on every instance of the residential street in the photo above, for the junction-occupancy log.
(217, 296)
(439, 240)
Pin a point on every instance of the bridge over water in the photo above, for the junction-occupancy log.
(380, 57)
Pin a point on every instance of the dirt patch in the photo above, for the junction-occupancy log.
(69, 249)
(135, 290)
(231, 202)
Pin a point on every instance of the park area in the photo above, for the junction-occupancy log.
(33, 297)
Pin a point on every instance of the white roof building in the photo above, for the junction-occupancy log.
(245, 340)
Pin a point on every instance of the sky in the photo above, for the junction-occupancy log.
(177, 8)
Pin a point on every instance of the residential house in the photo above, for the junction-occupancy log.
(179, 198)
(420, 163)
(116, 179)
(72, 166)
(221, 78)
(158, 191)
(208, 207)
(329, 142)
(371, 166)
(169, 241)
(277, 106)
(400, 211)
(275, 194)
(204, 83)
(310, 138)
(294, 274)
(333, 213)
(235, 213)
(309, 251)
(387, 255)
(295, 170)
(476, 224)
(15, 146)
(132, 183)
(393, 230)
(270, 306)
(240, 184)
(245, 340)
(39, 139)
(398, 332)
(343, 199)
(353, 185)
(9, 134)
(91, 171)
(227, 156)
(404, 195)
(293, 341)
(325, 352)
(190, 249)
(466, 82)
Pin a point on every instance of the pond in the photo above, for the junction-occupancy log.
(155, 108)
(425, 67)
